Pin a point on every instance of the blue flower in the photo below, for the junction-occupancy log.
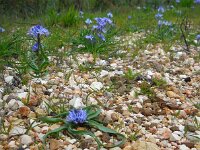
(81, 14)
(101, 24)
(35, 47)
(102, 37)
(38, 30)
(158, 16)
(198, 37)
(110, 15)
(103, 21)
(129, 17)
(197, 1)
(161, 9)
(164, 22)
(90, 37)
(2, 29)
(77, 116)
(177, 1)
(88, 21)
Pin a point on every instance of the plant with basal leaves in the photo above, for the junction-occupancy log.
(96, 36)
(37, 59)
(86, 117)
(165, 28)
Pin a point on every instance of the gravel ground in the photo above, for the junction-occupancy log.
(156, 102)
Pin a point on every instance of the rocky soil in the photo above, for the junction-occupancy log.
(152, 99)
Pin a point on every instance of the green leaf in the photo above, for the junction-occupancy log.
(56, 131)
(51, 120)
(64, 114)
(84, 132)
(107, 130)
(92, 111)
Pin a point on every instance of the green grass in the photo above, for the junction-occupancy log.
(66, 26)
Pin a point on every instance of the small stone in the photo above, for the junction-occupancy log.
(3, 137)
(174, 137)
(126, 113)
(44, 129)
(54, 126)
(128, 148)
(103, 73)
(76, 102)
(13, 104)
(114, 117)
(115, 148)
(17, 130)
(1, 103)
(60, 74)
(9, 79)
(96, 86)
(105, 137)
(189, 144)
(187, 79)
(143, 145)
(40, 112)
(12, 145)
(22, 95)
(26, 139)
(171, 94)
(54, 144)
(183, 147)
(34, 101)
(24, 111)
(98, 133)
(166, 133)
(133, 94)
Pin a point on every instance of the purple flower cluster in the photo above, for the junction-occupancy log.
(198, 37)
(197, 1)
(88, 21)
(81, 13)
(129, 17)
(35, 47)
(2, 29)
(100, 27)
(161, 9)
(164, 22)
(102, 24)
(36, 32)
(89, 37)
(110, 15)
(159, 16)
(77, 116)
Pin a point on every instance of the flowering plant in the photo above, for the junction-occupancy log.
(87, 117)
(96, 35)
(37, 59)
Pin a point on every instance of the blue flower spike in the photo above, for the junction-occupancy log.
(198, 37)
(2, 29)
(159, 16)
(110, 15)
(197, 1)
(88, 21)
(161, 9)
(77, 116)
(35, 47)
(89, 37)
(38, 30)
